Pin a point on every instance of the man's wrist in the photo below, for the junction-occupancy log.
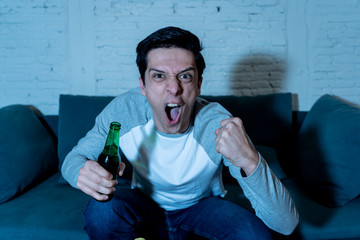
(252, 165)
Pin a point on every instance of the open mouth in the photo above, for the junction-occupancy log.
(173, 112)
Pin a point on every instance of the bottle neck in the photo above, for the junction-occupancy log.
(112, 141)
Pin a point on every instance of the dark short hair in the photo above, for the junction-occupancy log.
(169, 37)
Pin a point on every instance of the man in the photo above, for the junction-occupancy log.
(176, 143)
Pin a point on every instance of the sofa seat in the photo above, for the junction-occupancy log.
(48, 211)
(320, 222)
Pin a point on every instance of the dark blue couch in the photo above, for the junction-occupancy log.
(315, 154)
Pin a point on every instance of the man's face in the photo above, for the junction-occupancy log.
(171, 87)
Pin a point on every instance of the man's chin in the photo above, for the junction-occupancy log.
(176, 128)
(173, 130)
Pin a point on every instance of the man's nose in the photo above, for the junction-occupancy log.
(174, 86)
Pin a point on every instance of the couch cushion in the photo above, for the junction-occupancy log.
(49, 211)
(27, 151)
(271, 157)
(76, 117)
(321, 222)
(267, 118)
(328, 151)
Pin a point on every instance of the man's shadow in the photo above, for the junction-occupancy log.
(262, 74)
(257, 74)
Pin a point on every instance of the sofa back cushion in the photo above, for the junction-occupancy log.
(267, 118)
(76, 117)
(328, 150)
(27, 151)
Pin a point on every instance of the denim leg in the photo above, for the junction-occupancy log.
(216, 218)
(130, 214)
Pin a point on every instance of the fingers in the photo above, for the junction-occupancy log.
(121, 168)
(84, 186)
(224, 135)
(229, 120)
(232, 122)
(229, 124)
(95, 181)
(95, 168)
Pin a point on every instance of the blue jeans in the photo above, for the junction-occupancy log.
(131, 214)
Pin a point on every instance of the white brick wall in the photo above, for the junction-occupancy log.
(324, 50)
(48, 47)
(33, 53)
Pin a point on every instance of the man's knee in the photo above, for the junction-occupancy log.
(104, 219)
(232, 221)
(255, 229)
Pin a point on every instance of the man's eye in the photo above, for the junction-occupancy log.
(185, 77)
(158, 75)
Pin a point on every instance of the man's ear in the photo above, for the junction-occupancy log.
(142, 86)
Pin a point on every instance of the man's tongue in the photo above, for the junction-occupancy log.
(174, 113)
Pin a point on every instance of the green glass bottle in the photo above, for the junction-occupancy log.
(109, 158)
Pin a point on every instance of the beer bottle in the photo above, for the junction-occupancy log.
(109, 158)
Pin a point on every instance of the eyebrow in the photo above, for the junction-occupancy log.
(182, 71)
(156, 70)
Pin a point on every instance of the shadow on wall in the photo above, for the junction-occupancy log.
(257, 74)
(261, 74)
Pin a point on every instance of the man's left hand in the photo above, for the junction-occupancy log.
(234, 144)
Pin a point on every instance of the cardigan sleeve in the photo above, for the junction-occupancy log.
(268, 196)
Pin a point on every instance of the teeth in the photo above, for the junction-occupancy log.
(172, 105)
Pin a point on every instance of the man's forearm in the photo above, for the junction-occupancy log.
(71, 167)
(269, 198)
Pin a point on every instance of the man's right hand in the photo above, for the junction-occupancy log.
(95, 181)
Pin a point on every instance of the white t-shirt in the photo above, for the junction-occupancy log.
(174, 170)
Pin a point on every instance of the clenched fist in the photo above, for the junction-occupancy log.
(234, 144)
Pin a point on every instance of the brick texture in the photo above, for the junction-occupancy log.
(251, 47)
(33, 53)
